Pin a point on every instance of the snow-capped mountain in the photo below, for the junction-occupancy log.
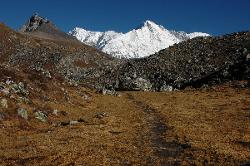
(141, 42)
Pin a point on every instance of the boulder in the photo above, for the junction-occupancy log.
(2, 116)
(19, 89)
(23, 113)
(41, 116)
(3, 103)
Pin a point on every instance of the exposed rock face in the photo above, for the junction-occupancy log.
(43, 28)
(194, 63)
(34, 23)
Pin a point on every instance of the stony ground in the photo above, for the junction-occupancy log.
(190, 127)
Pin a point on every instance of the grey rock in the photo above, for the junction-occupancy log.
(101, 115)
(248, 57)
(4, 89)
(142, 84)
(4, 103)
(55, 112)
(166, 88)
(73, 122)
(109, 92)
(245, 51)
(24, 100)
(9, 81)
(85, 96)
(1, 87)
(2, 116)
(41, 116)
(19, 89)
(46, 73)
(23, 113)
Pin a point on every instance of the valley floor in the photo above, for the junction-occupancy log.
(190, 127)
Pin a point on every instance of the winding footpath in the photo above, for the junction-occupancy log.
(165, 152)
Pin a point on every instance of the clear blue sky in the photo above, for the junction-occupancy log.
(212, 16)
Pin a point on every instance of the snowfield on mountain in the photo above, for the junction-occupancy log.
(146, 40)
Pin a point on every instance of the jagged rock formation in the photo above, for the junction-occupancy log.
(43, 28)
(143, 41)
(196, 62)
(34, 23)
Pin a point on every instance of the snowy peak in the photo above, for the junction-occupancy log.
(150, 24)
(143, 41)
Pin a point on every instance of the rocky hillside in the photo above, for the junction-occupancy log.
(52, 59)
(195, 62)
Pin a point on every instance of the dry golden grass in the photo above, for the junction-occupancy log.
(216, 121)
(210, 126)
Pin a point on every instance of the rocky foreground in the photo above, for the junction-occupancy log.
(59, 124)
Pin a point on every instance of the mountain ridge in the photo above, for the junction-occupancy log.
(142, 41)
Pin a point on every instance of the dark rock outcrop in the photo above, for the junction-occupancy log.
(34, 23)
(43, 28)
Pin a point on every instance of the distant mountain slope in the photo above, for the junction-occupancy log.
(148, 39)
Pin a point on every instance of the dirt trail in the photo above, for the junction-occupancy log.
(166, 152)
